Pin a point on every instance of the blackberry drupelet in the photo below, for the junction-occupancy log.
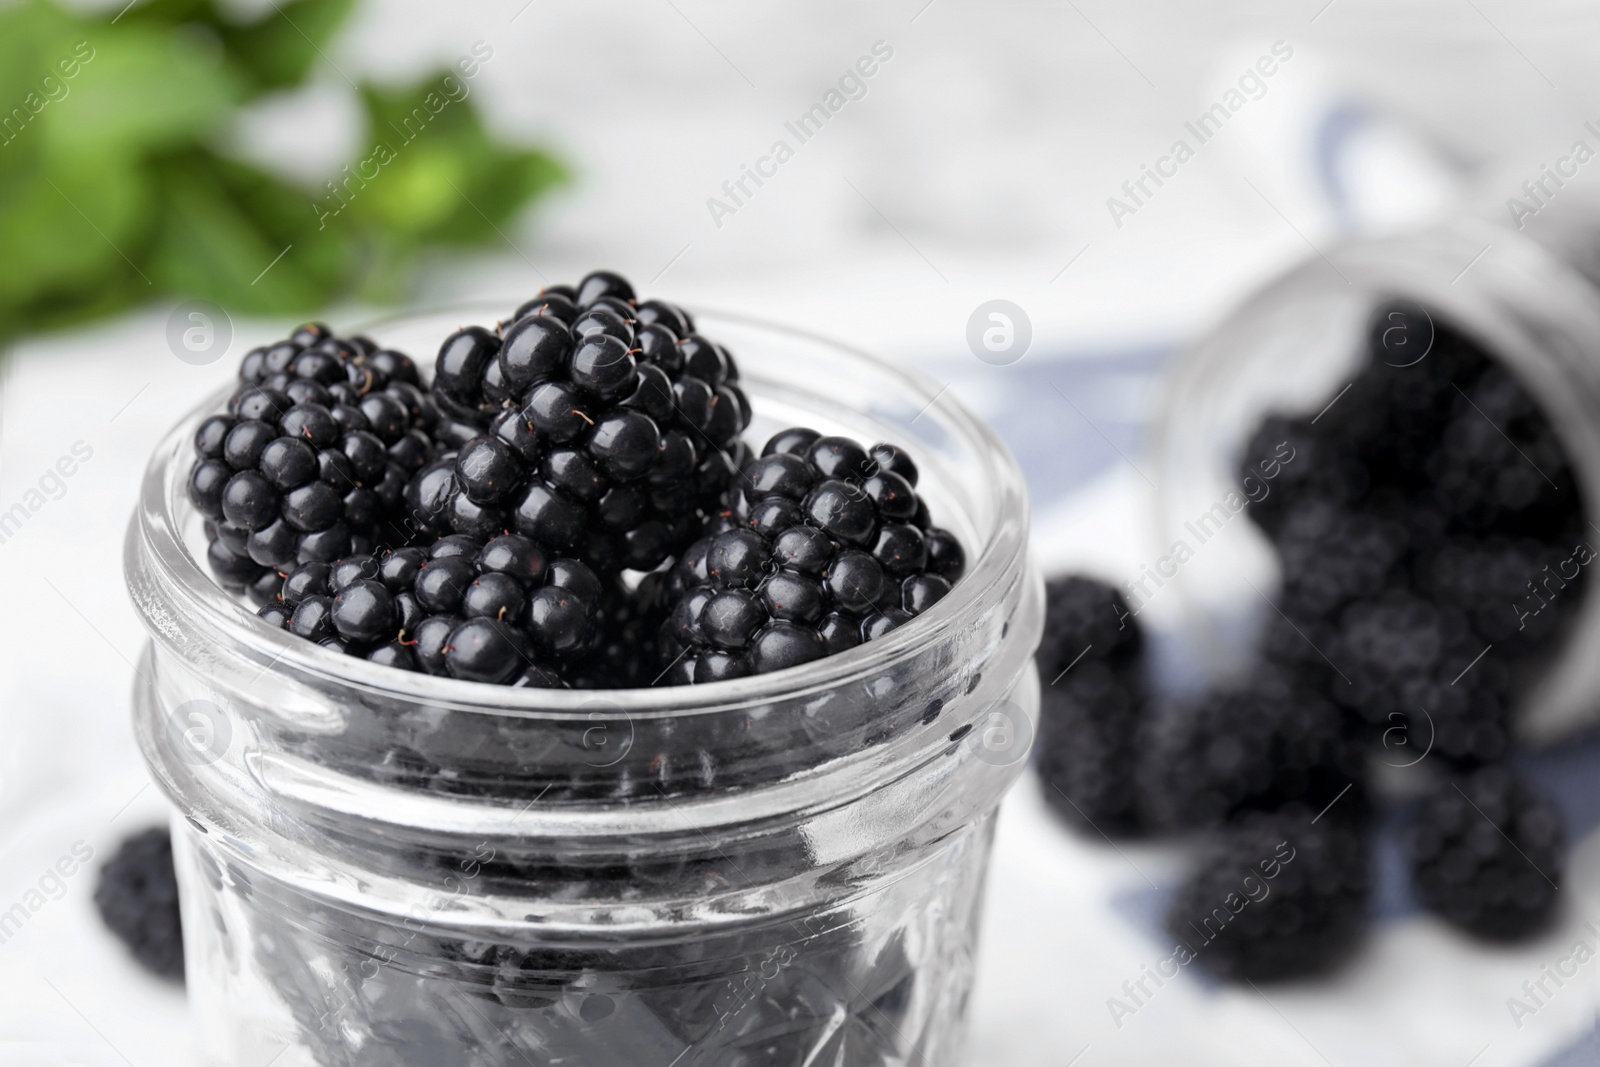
(1265, 744)
(311, 459)
(502, 611)
(1486, 855)
(1092, 706)
(827, 545)
(1274, 896)
(137, 897)
(595, 424)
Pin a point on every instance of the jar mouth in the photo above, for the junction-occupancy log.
(160, 537)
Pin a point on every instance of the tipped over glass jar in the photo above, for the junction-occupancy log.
(381, 867)
(1529, 302)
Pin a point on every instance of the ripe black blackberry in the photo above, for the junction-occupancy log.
(311, 459)
(1517, 592)
(137, 897)
(502, 611)
(1498, 464)
(1274, 896)
(1267, 743)
(1487, 854)
(1297, 462)
(1084, 617)
(826, 545)
(1332, 555)
(1088, 750)
(591, 422)
(1092, 704)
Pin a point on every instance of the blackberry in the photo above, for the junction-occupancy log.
(594, 424)
(1088, 751)
(311, 459)
(1331, 556)
(1267, 743)
(1088, 618)
(137, 897)
(1486, 855)
(626, 650)
(1092, 704)
(1274, 896)
(1392, 414)
(1385, 644)
(502, 611)
(825, 546)
(1297, 462)
(1505, 585)
(1498, 464)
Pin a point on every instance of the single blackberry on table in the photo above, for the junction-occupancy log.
(1088, 750)
(1084, 617)
(1092, 704)
(137, 897)
(595, 424)
(311, 458)
(1487, 854)
(1275, 896)
(502, 611)
(826, 546)
(1267, 743)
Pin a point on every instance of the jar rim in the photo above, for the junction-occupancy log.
(155, 537)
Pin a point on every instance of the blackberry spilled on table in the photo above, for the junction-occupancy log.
(502, 611)
(311, 459)
(1486, 855)
(592, 422)
(1092, 707)
(1265, 744)
(1274, 896)
(1433, 550)
(824, 546)
(137, 898)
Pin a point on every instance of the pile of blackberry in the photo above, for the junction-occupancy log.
(1431, 543)
(597, 425)
(823, 546)
(568, 502)
(311, 460)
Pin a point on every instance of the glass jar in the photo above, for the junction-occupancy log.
(1293, 346)
(388, 868)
